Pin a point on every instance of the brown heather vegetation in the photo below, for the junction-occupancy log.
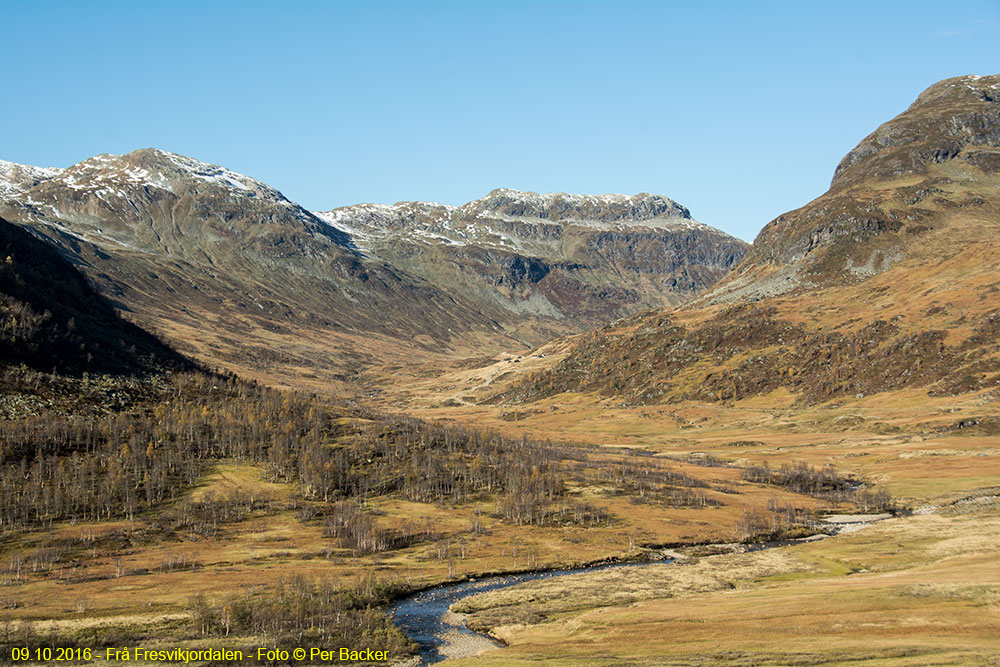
(748, 350)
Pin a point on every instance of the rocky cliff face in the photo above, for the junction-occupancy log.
(887, 194)
(953, 119)
(581, 258)
(887, 281)
(235, 273)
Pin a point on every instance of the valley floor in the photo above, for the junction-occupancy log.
(919, 590)
(922, 588)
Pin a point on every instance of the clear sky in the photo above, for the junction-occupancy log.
(738, 110)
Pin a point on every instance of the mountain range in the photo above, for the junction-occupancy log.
(235, 274)
(886, 281)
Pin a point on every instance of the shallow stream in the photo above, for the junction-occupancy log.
(424, 616)
(426, 619)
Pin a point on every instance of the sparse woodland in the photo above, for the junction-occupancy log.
(99, 468)
(824, 483)
(137, 463)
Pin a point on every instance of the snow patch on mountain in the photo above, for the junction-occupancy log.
(601, 211)
(495, 220)
(215, 174)
(17, 178)
(368, 224)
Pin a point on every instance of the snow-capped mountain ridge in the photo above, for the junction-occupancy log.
(107, 177)
(117, 198)
(510, 218)
(563, 207)
(184, 240)
(18, 178)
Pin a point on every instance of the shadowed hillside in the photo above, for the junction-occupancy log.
(51, 319)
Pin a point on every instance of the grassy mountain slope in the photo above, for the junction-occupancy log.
(887, 281)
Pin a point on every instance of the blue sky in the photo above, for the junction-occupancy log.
(739, 111)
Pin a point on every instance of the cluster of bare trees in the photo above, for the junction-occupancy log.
(648, 480)
(299, 611)
(359, 532)
(204, 515)
(103, 482)
(801, 478)
(824, 483)
(115, 465)
(422, 462)
(878, 500)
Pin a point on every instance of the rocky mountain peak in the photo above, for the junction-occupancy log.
(162, 170)
(509, 219)
(947, 146)
(954, 118)
(153, 200)
(562, 207)
(384, 217)
(17, 178)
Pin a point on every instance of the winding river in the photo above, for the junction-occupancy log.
(426, 619)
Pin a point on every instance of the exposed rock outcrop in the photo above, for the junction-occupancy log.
(887, 281)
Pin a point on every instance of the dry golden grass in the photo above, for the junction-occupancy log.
(900, 440)
(923, 590)
(137, 570)
(228, 479)
(913, 591)
(550, 597)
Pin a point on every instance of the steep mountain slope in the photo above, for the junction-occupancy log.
(232, 272)
(63, 347)
(897, 185)
(51, 319)
(587, 259)
(889, 280)
(204, 226)
(225, 267)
